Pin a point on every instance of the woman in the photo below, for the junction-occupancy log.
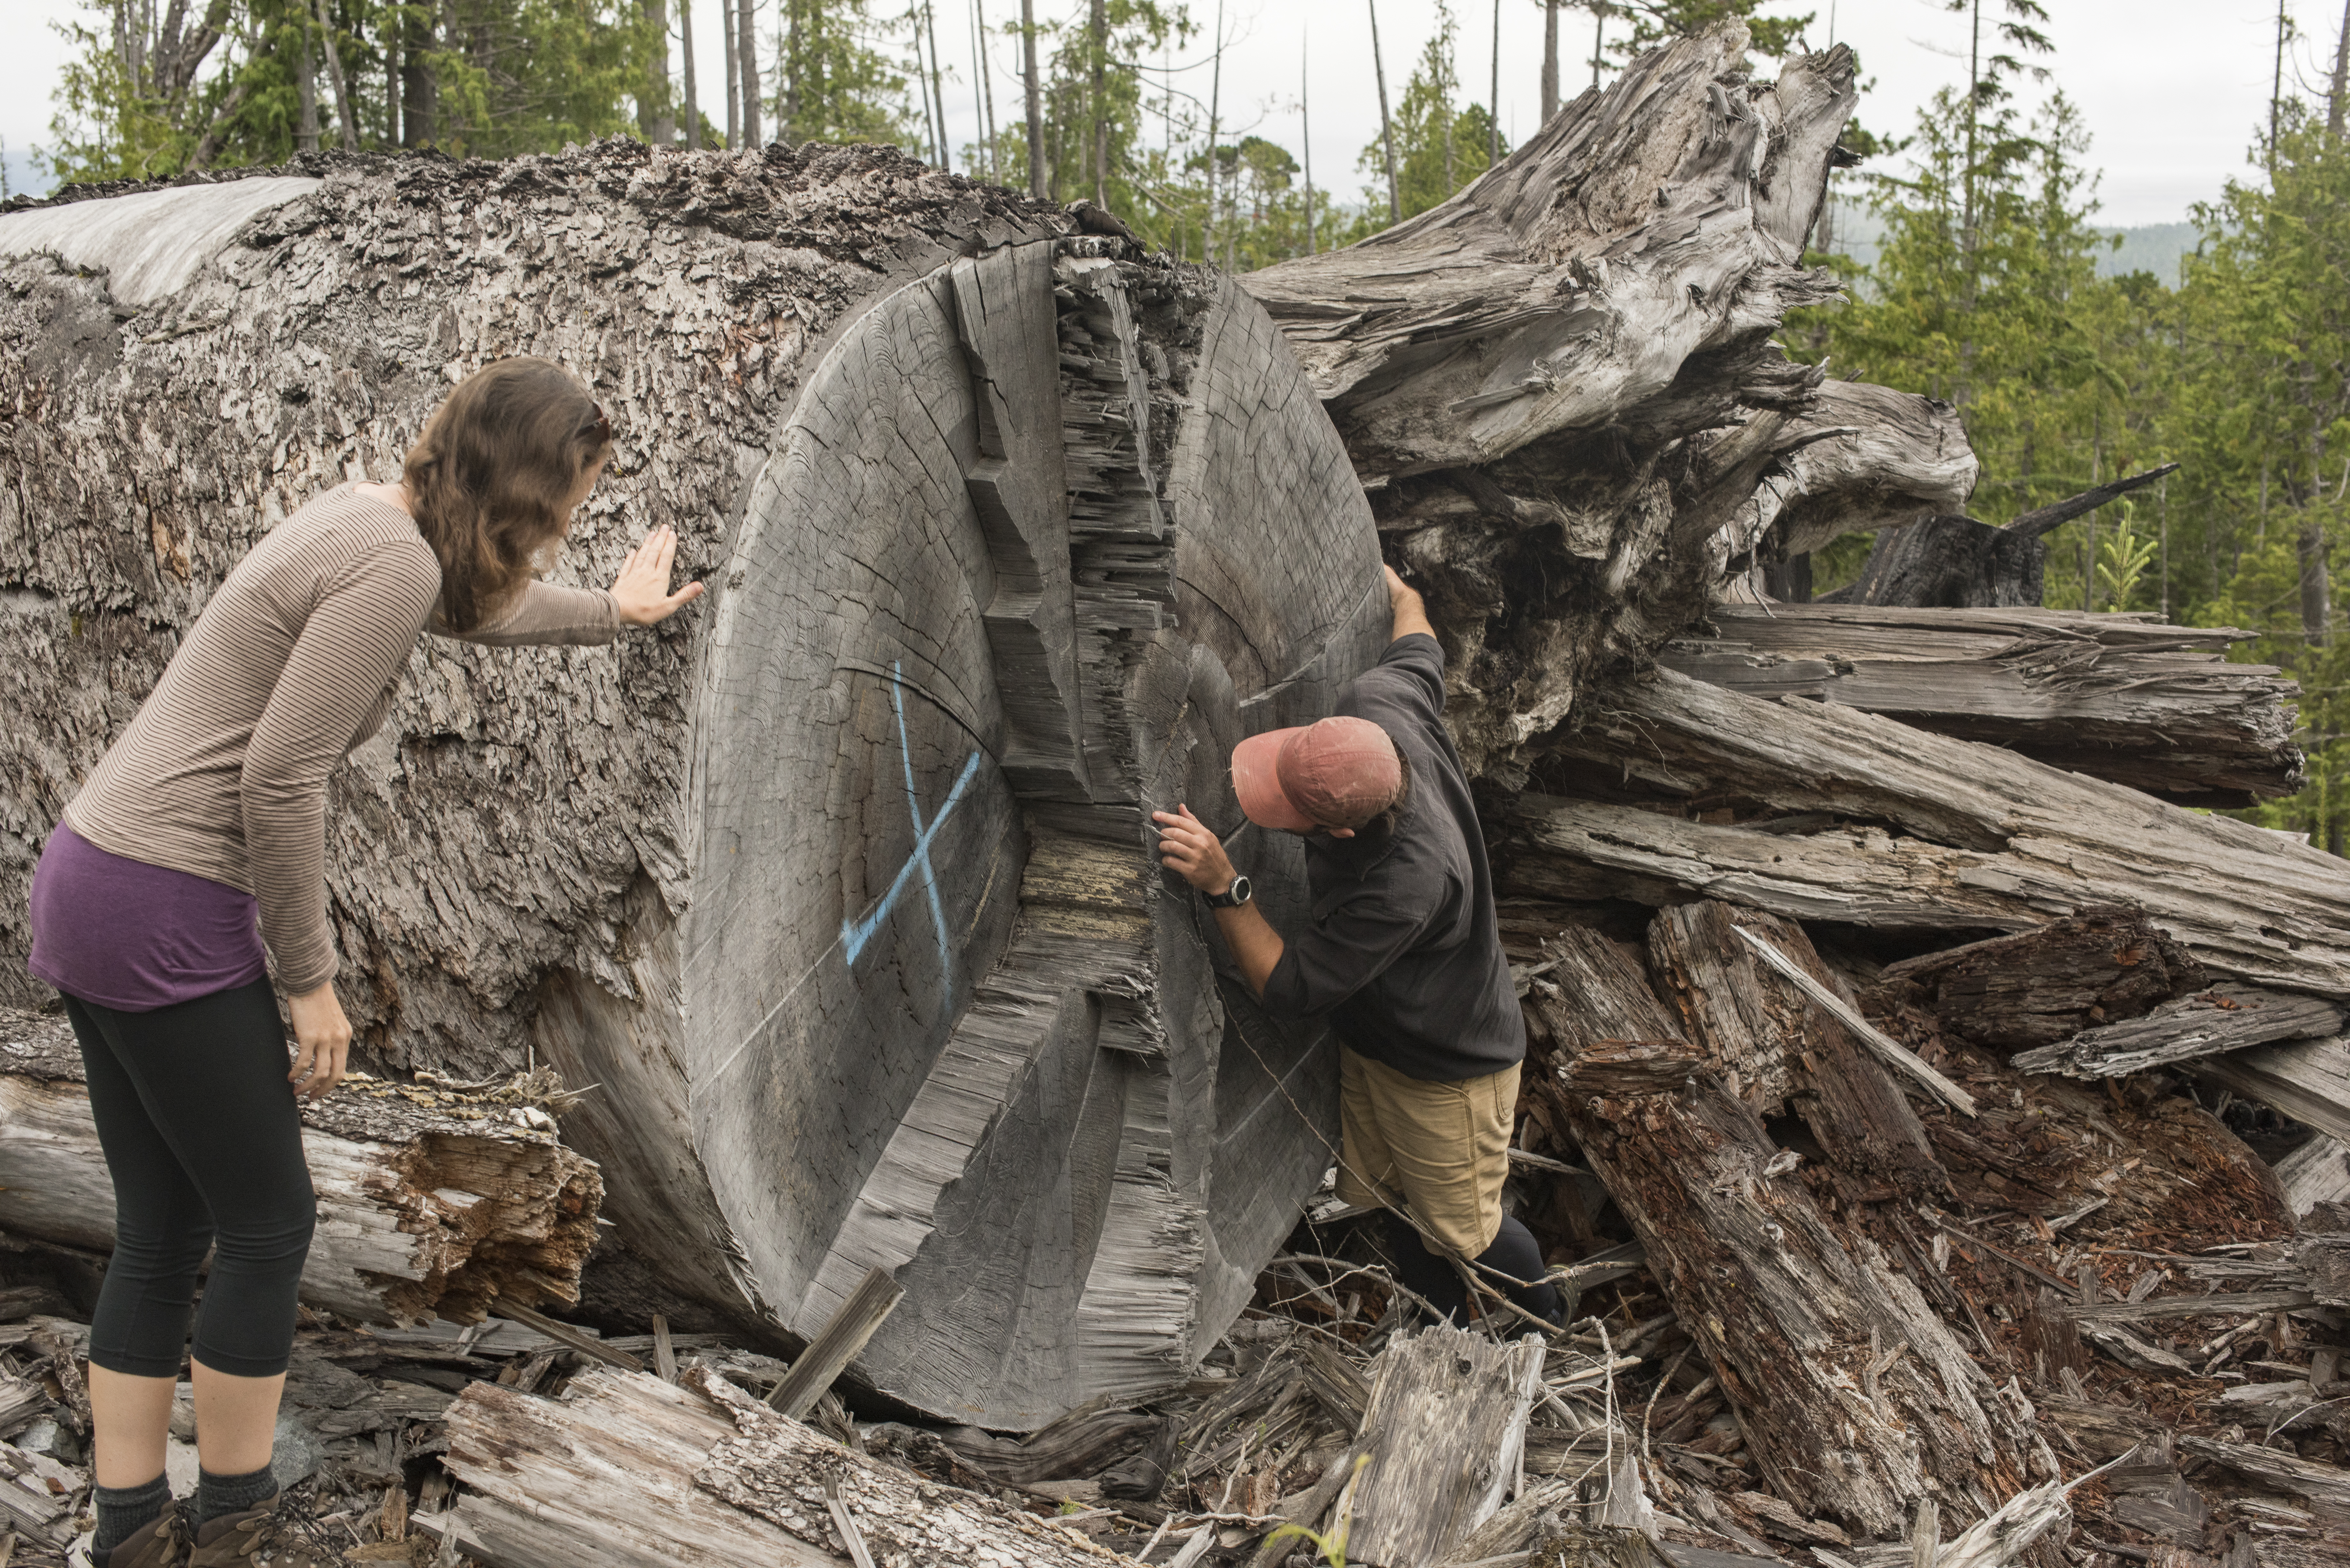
(209, 814)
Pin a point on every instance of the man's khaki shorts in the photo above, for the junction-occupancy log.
(1443, 1148)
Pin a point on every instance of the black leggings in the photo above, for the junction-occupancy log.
(204, 1143)
(1513, 1265)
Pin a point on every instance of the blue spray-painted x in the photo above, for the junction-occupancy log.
(855, 934)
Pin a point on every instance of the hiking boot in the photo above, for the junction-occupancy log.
(274, 1535)
(162, 1544)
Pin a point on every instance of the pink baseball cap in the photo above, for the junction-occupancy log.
(1339, 772)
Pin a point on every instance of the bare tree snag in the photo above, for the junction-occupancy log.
(1842, 815)
(841, 885)
(1855, 1398)
(427, 1204)
(2120, 698)
(2099, 965)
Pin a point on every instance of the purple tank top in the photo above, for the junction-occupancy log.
(135, 937)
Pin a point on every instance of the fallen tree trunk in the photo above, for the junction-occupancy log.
(1820, 813)
(627, 1472)
(841, 885)
(1855, 1398)
(430, 1203)
(2101, 964)
(2308, 1080)
(2124, 699)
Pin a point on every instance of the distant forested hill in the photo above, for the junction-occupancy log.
(2149, 248)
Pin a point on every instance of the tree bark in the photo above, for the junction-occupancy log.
(656, 116)
(1035, 98)
(2099, 965)
(2119, 698)
(746, 61)
(430, 1203)
(1847, 816)
(841, 885)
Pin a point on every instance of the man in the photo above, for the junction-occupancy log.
(1404, 959)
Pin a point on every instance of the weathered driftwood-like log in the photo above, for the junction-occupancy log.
(2100, 965)
(840, 885)
(1775, 1045)
(2308, 1080)
(2317, 1172)
(2122, 698)
(627, 1472)
(1850, 1390)
(1562, 385)
(2208, 1023)
(1914, 831)
(1449, 1407)
(429, 1202)
(1955, 562)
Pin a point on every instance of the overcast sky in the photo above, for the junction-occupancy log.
(2172, 90)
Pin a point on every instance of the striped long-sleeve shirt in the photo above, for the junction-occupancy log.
(223, 772)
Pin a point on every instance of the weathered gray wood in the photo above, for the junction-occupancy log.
(1798, 1317)
(625, 1470)
(427, 1204)
(829, 1354)
(152, 244)
(2098, 965)
(571, 1338)
(1948, 561)
(840, 886)
(2123, 698)
(1920, 832)
(2308, 1080)
(2317, 1172)
(2208, 1023)
(2326, 1488)
(1452, 1405)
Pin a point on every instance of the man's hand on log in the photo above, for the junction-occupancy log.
(1408, 609)
(641, 592)
(1187, 848)
(322, 1041)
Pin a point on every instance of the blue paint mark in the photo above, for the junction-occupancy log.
(855, 934)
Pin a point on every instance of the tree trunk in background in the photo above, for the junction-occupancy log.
(726, 34)
(981, 521)
(746, 61)
(1550, 61)
(1035, 99)
(693, 91)
(346, 120)
(305, 87)
(418, 86)
(656, 116)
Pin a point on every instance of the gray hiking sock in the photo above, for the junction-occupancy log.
(219, 1495)
(124, 1511)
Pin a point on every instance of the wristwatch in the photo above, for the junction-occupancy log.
(1231, 898)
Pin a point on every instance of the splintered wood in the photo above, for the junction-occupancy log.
(1450, 1409)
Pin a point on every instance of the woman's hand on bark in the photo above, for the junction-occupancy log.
(641, 592)
(1189, 849)
(322, 1041)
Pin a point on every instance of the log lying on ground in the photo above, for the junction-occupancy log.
(840, 885)
(625, 1470)
(2317, 1172)
(2208, 1023)
(2099, 965)
(1855, 1398)
(2122, 698)
(430, 1203)
(1562, 385)
(1820, 813)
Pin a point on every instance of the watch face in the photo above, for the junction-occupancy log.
(1239, 890)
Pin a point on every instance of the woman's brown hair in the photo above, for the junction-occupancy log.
(492, 478)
